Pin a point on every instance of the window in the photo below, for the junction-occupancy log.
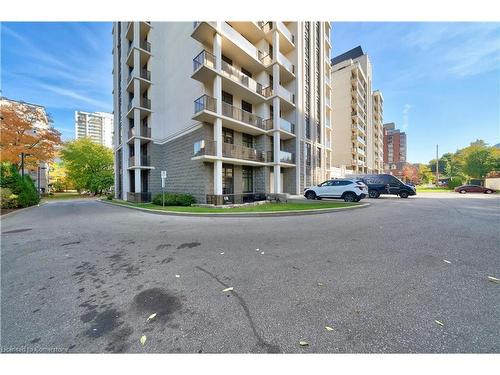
(227, 135)
(247, 174)
(227, 98)
(343, 183)
(246, 106)
(318, 153)
(308, 154)
(247, 140)
(246, 72)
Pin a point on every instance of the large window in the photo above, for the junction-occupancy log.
(227, 179)
(227, 136)
(247, 140)
(246, 106)
(227, 98)
(247, 173)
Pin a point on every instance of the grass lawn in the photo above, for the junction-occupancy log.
(268, 207)
(433, 190)
(64, 195)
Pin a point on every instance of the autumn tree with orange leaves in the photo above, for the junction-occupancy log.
(20, 133)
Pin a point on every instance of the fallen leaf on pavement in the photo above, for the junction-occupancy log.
(329, 328)
(228, 289)
(262, 253)
(257, 250)
(438, 322)
(303, 343)
(152, 316)
(222, 253)
(446, 261)
(143, 340)
(177, 276)
(493, 279)
(320, 284)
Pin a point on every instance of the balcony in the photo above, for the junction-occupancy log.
(144, 106)
(243, 116)
(287, 98)
(287, 126)
(144, 48)
(144, 161)
(204, 66)
(287, 39)
(287, 69)
(144, 77)
(138, 197)
(251, 91)
(145, 133)
(232, 151)
(205, 103)
(284, 157)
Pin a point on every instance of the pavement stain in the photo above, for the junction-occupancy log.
(189, 245)
(163, 246)
(104, 322)
(159, 301)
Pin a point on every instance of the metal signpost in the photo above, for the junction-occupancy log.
(163, 178)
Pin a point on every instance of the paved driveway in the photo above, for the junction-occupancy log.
(82, 276)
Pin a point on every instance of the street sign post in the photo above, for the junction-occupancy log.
(163, 178)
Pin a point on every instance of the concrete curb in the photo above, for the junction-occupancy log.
(22, 210)
(241, 214)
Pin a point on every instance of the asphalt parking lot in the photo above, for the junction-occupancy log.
(82, 276)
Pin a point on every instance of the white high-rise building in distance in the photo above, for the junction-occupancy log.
(98, 126)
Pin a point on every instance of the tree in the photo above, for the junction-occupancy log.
(425, 174)
(89, 166)
(479, 160)
(22, 187)
(410, 173)
(21, 133)
(58, 178)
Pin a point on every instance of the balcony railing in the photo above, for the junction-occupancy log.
(286, 63)
(285, 157)
(205, 102)
(144, 161)
(145, 74)
(285, 31)
(138, 197)
(266, 91)
(145, 132)
(145, 45)
(204, 58)
(287, 126)
(287, 95)
(239, 114)
(208, 147)
(145, 103)
(264, 58)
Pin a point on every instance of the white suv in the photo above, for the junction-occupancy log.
(348, 190)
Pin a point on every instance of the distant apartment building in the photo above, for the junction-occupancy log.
(357, 114)
(394, 145)
(98, 126)
(40, 172)
(230, 110)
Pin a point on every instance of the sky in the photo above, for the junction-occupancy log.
(440, 81)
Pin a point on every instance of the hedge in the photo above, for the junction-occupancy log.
(24, 188)
(174, 199)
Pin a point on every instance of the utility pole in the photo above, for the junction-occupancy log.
(22, 164)
(437, 165)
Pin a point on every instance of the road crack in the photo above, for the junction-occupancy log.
(269, 348)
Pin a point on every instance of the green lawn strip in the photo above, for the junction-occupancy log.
(61, 196)
(268, 207)
(433, 190)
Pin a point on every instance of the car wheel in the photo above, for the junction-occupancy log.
(373, 194)
(462, 191)
(350, 197)
(357, 199)
(311, 195)
(403, 194)
(488, 191)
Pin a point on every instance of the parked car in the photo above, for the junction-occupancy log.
(346, 189)
(386, 184)
(474, 189)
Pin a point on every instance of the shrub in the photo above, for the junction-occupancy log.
(24, 188)
(455, 182)
(109, 197)
(174, 199)
(7, 199)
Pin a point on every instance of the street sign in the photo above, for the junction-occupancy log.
(163, 178)
(163, 174)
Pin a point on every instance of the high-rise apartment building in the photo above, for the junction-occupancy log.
(394, 145)
(98, 126)
(230, 110)
(357, 114)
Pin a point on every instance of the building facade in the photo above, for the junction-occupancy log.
(394, 145)
(40, 172)
(357, 114)
(228, 109)
(98, 126)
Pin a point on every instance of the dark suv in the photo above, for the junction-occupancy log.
(386, 184)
